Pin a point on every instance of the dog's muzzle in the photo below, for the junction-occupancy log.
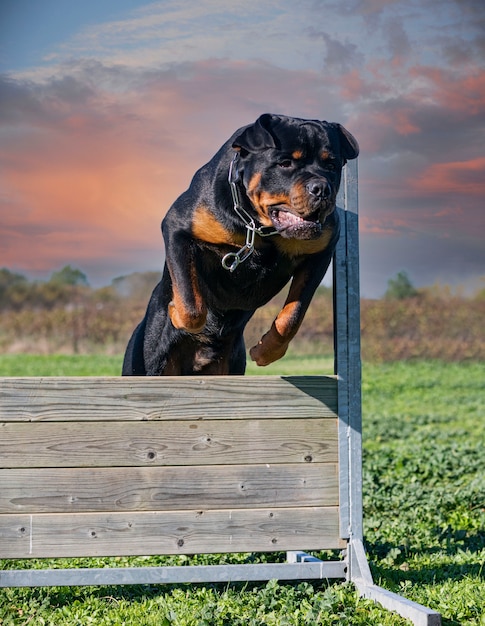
(305, 216)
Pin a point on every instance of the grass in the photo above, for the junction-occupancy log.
(104, 365)
(424, 484)
(424, 512)
(59, 365)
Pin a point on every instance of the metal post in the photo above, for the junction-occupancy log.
(348, 369)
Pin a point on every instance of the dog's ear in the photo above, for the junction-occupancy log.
(350, 147)
(256, 137)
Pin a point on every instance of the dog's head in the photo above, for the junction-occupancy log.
(291, 169)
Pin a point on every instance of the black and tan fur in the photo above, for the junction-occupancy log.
(289, 175)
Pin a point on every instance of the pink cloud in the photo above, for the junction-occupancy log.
(458, 178)
(399, 120)
(352, 85)
(457, 92)
(394, 101)
(385, 224)
(90, 170)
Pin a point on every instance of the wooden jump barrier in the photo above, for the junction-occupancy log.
(150, 466)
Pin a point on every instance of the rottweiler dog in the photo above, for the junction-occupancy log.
(260, 213)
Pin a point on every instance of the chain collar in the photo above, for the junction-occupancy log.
(231, 260)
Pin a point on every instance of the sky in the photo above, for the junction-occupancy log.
(108, 107)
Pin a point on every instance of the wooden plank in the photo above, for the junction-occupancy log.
(182, 532)
(165, 397)
(207, 442)
(167, 488)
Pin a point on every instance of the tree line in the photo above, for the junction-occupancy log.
(69, 286)
(65, 314)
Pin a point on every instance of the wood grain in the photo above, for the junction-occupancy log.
(167, 488)
(183, 532)
(167, 398)
(207, 442)
(125, 466)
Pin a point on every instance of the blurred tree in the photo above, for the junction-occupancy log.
(136, 286)
(9, 279)
(14, 288)
(480, 293)
(324, 291)
(400, 287)
(69, 276)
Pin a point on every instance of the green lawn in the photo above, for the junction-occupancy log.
(424, 510)
(102, 365)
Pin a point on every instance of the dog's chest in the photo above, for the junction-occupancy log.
(253, 283)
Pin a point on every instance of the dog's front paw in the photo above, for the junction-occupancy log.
(183, 321)
(268, 350)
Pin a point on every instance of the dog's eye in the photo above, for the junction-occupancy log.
(285, 163)
(330, 165)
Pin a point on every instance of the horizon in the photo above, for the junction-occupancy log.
(459, 290)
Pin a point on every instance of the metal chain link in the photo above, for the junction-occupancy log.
(232, 259)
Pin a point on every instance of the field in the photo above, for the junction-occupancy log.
(424, 512)
(50, 319)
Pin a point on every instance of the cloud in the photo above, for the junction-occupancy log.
(168, 32)
(101, 137)
(339, 56)
(436, 109)
(93, 157)
(386, 225)
(89, 169)
(397, 39)
(458, 178)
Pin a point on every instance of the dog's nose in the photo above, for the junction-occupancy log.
(318, 189)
